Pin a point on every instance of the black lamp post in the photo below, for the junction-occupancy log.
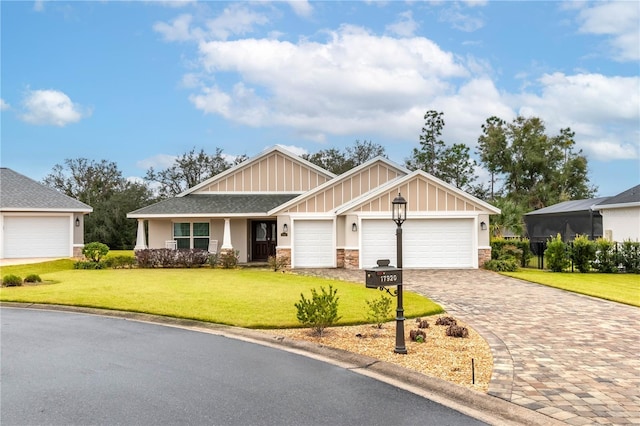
(399, 212)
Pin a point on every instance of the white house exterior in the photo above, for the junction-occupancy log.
(621, 215)
(279, 204)
(38, 221)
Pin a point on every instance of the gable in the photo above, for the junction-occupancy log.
(273, 171)
(424, 193)
(345, 188)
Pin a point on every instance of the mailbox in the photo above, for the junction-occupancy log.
(383, 275)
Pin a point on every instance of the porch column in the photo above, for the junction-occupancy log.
(141, 238)
(226, 238)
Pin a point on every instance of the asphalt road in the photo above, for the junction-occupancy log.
(62, 368)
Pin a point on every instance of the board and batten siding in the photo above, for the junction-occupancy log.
(422, 196)
(273, 173)
(345, 190)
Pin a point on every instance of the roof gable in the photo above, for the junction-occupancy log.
(423, 192)
(345, 187)
(274, 170)
(20, 193)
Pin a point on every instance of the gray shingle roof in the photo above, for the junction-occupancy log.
(631, 195)
(215, 204)
(569, 206)
(18, 192)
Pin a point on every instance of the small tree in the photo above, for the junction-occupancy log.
(379, 310)
(556, 254)
(95, 251)
(630, 256)
(319, 312)
(583, 253)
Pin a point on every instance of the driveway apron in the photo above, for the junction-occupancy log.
(574, 358)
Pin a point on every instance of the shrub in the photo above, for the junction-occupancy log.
(320, 311)
(583, 253)
(606, 259)
(32, 278)
(83, 264)
(422, 323)
(417, 336)
(214, 260)
(120, 262)
(11, 281)
(446, 321)
(278, 262)
(144, 258)
(189, 258)
(556, 255)
(95, 251)
(457, 331)
(518, 249)
(229, 259)
(379, 310)
(502, 265)
(630, 256)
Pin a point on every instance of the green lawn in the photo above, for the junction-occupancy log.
(242, 297)
(623, 288)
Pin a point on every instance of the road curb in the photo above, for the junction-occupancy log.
(484, 407)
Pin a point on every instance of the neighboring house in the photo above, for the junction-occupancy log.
(279, 204)
(621, 215)
(38, 221)
(569, 218)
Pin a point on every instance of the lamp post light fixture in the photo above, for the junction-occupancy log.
(399, 214)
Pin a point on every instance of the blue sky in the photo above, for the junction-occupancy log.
(141, 82)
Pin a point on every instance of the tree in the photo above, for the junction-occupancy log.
(536, 170)
(338, 162)
(457, 168)
(427, 157)
(188, 170)
(102, 186)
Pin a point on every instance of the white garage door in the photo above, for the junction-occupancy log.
(313, 244)
(427, 243)
(36, 236)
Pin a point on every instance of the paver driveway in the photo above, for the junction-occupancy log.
(572, 357)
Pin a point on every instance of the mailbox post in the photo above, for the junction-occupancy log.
(384, 275)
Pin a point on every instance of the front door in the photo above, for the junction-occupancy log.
(263, 240)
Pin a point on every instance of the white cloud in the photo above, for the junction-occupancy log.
(236, 19)
(158, 162)
(600, 109)
(619, 20)
(301, 8)
(51, 107)
(404, 26)
(3, 105)
(294, 149)
(342, 86)
(461, 20)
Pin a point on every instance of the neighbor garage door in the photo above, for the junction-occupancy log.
(427, 243)
(313, 244)
(37, 236)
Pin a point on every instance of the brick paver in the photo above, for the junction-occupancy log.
(572, 357)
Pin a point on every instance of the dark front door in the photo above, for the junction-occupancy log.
(263, 240)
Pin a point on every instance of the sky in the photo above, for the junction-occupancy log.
(142, 82)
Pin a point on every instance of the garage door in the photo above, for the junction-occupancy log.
(313, 244)
(36, 236)
(427, 243)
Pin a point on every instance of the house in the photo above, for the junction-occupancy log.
(38, 221)
(569, 218)
(621, 215)
(279, 204)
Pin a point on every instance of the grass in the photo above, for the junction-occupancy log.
(242, 297)
(623, 288)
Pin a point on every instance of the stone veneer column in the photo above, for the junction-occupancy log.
(484, 255)
(284, 253)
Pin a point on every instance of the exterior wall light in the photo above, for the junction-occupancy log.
(77, 222)
(483, 226)
(285, 230)
(354, 227)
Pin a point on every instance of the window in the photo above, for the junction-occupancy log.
(191, 235)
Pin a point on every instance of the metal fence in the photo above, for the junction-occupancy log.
(538, 248)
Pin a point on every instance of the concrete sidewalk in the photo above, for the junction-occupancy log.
(574, 358)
